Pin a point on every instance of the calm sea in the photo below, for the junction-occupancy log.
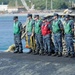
(6, 31)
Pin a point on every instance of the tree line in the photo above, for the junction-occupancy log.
(42, 4)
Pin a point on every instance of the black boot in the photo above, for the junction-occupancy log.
(42, 52)
(45, 52)
(36, 53)
(33, 52)
(55, 54)
(60, 55)
(49, 54)
(68, 54)
(72, 56)
(16, 51)
(21, 51)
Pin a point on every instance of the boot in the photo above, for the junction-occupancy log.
(16, 51)
(42, 52)
(21, 51)
(36, 53)
(49, 54)
(72, 56)
(68, 54)
(33, 52)
(45, 52)
(55, 54)
(60, 54)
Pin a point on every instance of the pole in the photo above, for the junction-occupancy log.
(16, 3)
(51, 4)
(46, 4)
(30, 3)
(70, 3)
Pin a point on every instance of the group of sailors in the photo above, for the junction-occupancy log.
(44, 36)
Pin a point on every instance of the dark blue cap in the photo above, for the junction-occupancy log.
(15, 17)
(55, 14)
(29, 15)
(67, 16)
(44, 18)
(36, 16)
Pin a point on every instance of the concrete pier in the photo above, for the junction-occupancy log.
(28, 64)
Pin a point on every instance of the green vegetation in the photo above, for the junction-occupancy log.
(4, 1)
(41, 4)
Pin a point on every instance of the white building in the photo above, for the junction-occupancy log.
(12, 9)
(9, 9)
(3, 7)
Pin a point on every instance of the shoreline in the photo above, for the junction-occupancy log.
(41, 14)
(25, 14)
(2, 15)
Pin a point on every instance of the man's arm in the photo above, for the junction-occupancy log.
(61, 28)
(50, 26)
(40, 24)
(72, 27)
(20, 26)
(60, 25)
(33, 23)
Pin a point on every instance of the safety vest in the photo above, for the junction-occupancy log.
(67, 28)
(37, 27)
(45, 30)
(16, 28)
(55, 26)
(29, 26)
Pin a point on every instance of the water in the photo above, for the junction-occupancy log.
(6, 31)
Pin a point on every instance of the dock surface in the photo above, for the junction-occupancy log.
(28, 64)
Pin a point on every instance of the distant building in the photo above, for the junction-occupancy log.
(21, 9)
(16, 9)
(12, 9)
(3, 7)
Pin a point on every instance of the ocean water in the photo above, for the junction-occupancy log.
(6, 31)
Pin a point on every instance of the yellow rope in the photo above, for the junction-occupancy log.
(32, 43)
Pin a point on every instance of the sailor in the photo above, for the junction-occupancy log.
(69, 32)
(50, 19)
(38, 35)
(17, 27)
(30, 31)
(57, 28)
(46, 32)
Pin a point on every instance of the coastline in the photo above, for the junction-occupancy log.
(1, 15)
(25, 14)
(41, 14)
